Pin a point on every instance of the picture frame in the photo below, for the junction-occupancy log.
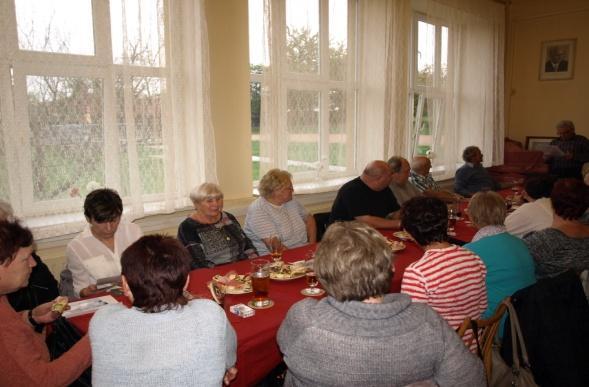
(538, 143)
(557, 59)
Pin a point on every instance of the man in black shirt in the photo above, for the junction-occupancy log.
(368, 198)
(575, 150)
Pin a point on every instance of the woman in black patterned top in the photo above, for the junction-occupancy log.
(212, 236)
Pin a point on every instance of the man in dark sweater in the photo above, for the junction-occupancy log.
(472, 177)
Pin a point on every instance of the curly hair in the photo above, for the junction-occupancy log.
(273, 180)
(487, 209)
(353, 262)
(570, 198)
(156, 268)
(103, 205)
(13, 236)
(469, 152)
(426, 219)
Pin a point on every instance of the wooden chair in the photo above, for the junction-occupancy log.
(487, 330)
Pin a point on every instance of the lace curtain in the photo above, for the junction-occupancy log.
(457, 87)
(102, 94)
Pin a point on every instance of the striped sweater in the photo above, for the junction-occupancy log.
(450, 280)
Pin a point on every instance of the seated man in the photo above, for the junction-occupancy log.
(537, 213)
(96, 252)
(362, 335)
(472, 177)
(368, 198)
(422, 179)
(575, 148)
(400, 184)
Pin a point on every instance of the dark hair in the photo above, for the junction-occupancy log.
(426, 219)
(539, 186)
(353, 262)
(103, 205)
(156, 268)
(570, 198)
(396, 163)
(469, 152)
(13, 236)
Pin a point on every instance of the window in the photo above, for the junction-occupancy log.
(429, 85)
(87, 102)
(303, 95)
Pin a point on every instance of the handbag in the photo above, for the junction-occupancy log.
(502, 375)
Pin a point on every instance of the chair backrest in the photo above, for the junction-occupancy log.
(487, 329)
(322, 220)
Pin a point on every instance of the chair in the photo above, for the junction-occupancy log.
(322, 221)
(487, 329)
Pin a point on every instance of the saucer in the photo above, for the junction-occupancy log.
(314, 293)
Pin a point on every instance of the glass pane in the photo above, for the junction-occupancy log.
(257, 38)
(67, 141)
(255, 100)
(302, 35)
(337, 130)
(424, 116)
(426, 50)
(63, 26)
(303, 130)
(338, 38)
(444, 53)
(137, 29)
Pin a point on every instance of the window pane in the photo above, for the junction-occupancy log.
(302, 35)
(426, 49)
(337, 130)
(67, 142)
(63, 26)
(444, 53)
(338, 38)
(255, 101)
(257, 38)
(138, 32)
(303, 130)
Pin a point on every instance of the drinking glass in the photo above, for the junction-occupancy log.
(451, 219)
(276, 248)
(260, 282)
(312, 282)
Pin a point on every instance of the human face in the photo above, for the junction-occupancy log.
(565, 134)
(210, 207)
(477, 158)
(402, 176)
(104, 230)
(15, 275)
(283, 194)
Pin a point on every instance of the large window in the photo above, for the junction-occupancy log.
(302, 63)
(87, 102)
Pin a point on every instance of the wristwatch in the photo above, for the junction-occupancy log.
(36, 326)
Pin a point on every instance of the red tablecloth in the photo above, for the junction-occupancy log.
(257, 350)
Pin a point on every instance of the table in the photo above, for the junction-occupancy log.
(257, 350)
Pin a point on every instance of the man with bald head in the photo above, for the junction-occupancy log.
(400, 184)
(422, 179)
(368, 198)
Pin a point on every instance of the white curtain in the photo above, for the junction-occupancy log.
(131, 113)
(468, 109)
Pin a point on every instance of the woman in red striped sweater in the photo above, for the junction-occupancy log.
(447, 277)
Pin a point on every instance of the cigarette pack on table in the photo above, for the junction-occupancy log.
(242, 310)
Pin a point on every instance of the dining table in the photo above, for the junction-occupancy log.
(257, 350)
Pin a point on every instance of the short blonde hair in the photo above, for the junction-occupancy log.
(354, 262)
(205, 191)
(487, 209)
(273, 180)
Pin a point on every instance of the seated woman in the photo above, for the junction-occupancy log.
(472, 177)
(509, 264)
(564, 245)
(211, 235)
(276, 213)
(164, 338)
(96, 252)
(447, 277)
(359, 335)
(24, 356)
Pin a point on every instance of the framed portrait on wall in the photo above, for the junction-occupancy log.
(557, 59)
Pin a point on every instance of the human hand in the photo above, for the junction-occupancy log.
(44, 314)
(230, 375)
(88, 291)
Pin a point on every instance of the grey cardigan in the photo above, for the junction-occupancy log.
(395, 343)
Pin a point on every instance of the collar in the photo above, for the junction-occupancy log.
(488, 231)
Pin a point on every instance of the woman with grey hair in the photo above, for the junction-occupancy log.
(276, 214)
(360, 335)
(211, 235)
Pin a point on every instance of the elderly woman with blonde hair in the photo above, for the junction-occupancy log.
(211, 235)
(276, 214)
(360, 334)
(509, 264)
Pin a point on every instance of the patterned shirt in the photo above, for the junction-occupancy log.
(578, 146)
(450, 280)
(423, 183)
